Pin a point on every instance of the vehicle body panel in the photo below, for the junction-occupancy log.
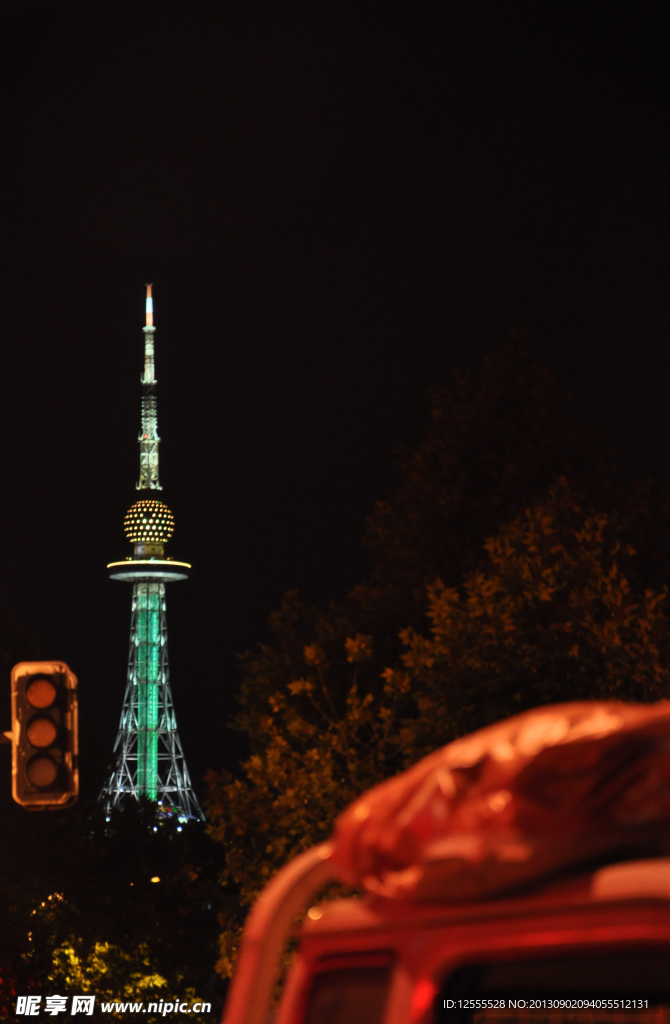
(621, 908)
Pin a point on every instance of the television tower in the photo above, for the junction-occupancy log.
(149, 757)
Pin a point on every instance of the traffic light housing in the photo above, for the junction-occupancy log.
(45, 764)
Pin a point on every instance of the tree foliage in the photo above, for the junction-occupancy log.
(549, 615)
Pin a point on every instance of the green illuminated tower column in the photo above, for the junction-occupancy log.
(148, 610)
(149, 757)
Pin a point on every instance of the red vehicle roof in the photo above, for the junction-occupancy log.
(555, 786)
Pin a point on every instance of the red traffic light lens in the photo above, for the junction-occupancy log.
(40, 693)
(41, 771)
(41, 732)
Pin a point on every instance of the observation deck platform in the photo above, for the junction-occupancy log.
(158, 570)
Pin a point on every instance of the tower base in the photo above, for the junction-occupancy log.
(149, 757)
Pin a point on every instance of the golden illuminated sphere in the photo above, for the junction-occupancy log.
(148, 521)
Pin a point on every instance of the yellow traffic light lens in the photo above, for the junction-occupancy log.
(41, 693)
(41, 732)
(41, 771)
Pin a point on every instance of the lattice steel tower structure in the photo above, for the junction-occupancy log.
(149, 757)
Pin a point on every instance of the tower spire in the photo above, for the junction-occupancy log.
(148, 438)
(150, 307)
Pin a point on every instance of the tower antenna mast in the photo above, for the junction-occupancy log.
(149, 759)
(149, 439)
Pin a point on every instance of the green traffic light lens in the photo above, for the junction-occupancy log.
(40, 693)
(41, 732)
(41, 771)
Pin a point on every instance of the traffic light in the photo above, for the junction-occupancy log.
(45, 768)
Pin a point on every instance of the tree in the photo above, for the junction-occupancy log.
(318, 754)
(550, 615)
(495, 444)
(511, 533)
(124, 909)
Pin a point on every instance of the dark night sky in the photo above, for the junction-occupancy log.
(337, 203)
